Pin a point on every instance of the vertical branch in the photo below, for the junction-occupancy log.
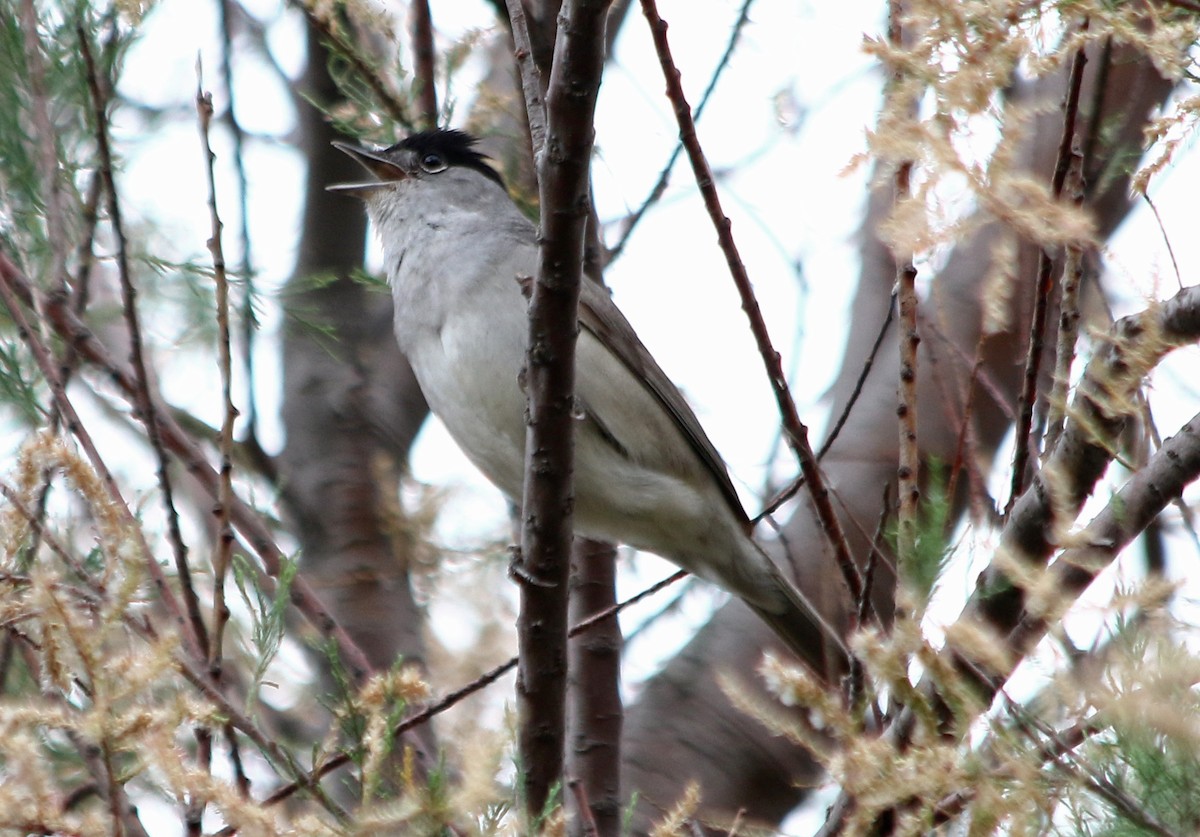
(1042, 290)
(532, 85)
(594, 756)
(908, 472)
(550, 369)
(223, 550)
(1068, 317)
(795, 430)
(249, 322)
(425, 68)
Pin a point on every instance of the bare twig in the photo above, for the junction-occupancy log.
(249, 320)
(223, 548)
(908, 471)
(424, 69)
(144, 402)
(797, 433)
(789, 491)
(664, 177)
(1042, 290)
(532, 85)
(583, 805)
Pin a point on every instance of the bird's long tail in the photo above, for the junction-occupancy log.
(798, 623)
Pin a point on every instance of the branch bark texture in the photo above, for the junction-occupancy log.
(562, 166)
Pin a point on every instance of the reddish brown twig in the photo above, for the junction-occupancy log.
(249, 321)
(796, 431)
(223, 548)
(146, 408)
(664, 176)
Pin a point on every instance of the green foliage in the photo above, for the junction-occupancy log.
(19, 387)
(931, 549)
(268, 615)
(1150, 752)
(1161, 772)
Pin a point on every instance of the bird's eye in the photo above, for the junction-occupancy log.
(433, 163)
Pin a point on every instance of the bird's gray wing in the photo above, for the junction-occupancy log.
(599, 316)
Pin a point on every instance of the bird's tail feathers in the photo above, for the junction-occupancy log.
(800, 625)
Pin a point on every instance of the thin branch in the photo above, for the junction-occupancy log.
(664, 177)
(424, 66)
(532, 86)
(789, 491)
(908, 471)
(223, 549)
(249, 321)
(588, 827)
(797, 433)
(1042, 289)
(144, 402)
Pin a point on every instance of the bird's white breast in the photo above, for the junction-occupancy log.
(460, 319)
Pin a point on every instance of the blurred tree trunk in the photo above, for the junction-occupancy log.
(351, 408)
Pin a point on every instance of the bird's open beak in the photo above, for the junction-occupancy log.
(385, 170)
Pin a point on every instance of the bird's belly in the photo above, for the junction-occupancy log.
(471, 385)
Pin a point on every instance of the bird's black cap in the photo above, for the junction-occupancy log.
(455, 147)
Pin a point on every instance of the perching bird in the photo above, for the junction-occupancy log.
(646, 474)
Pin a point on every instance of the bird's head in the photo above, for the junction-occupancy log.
(441, 167)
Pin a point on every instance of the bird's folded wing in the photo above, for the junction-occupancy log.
(599, 316)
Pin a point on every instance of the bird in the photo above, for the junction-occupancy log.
(456, 251)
